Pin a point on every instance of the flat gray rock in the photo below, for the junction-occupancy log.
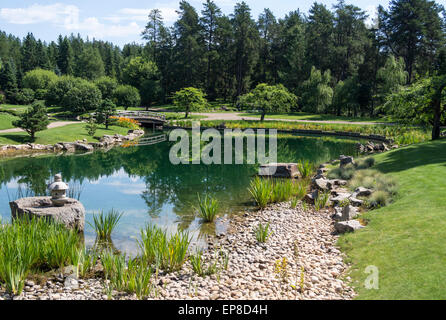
(72, 214)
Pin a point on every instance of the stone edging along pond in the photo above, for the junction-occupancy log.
(105, 142)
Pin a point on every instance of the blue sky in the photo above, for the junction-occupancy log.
(122, 21)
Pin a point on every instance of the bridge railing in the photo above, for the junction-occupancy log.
(142, 114)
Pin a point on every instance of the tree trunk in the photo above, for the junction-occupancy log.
(187, 115)
(263, 116)
(437, 119)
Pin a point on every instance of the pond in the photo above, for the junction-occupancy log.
(141, 182)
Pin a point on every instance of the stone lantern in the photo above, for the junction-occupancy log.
(58, 190)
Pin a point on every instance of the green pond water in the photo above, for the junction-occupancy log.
(141, 182)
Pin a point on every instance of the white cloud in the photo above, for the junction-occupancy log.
(56, 13)
(67, 17)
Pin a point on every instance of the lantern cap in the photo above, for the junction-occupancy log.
(58, 184)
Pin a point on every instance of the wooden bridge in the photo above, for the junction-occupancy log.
(147, 141)
(146, 118)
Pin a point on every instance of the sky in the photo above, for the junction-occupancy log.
(120, 21)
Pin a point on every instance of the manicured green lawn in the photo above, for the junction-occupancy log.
(68, 133)
(312, 117)
(6, 120)
(407, 239)
(15, 107)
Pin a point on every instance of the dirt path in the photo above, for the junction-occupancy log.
(54, 124)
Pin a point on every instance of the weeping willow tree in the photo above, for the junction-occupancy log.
(391, 77)
(316, 92)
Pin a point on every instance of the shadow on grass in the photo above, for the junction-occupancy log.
(433, 152)
(20, 139)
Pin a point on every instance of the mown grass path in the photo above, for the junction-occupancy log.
(405, 240)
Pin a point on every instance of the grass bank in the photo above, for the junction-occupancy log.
(401, 134)
(313, 117)
(67, 133)
(6, 120)
(405, 240)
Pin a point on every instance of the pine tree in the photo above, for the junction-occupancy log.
(33, 120)
(65, 56)
(246, 37)
(8, 76)
(210, 15)
(414, 30)
(29, 53)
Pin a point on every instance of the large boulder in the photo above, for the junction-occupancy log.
(83, 147)
(279, 170)
(348, 226)
(72, 214)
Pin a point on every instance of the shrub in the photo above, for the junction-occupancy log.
(24, 96)
(262, 232)
(207, 208)
(2, 98)
(126, 96)
(39, 79)
(91, 127)
(126, 122)
(75, 95)
(107, 86)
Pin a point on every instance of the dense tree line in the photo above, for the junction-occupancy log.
(331, 59)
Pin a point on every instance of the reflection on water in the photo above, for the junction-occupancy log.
(142, 183)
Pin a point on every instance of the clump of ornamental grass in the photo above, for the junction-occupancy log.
(282, 190)
(166, 253)
(207, 208)
(344, 173)
(262, 232)
(361, 164)
(105, 223)
(294, 202)
(261, 190)
(32, 245)
(379, 199)
(132, 277)
(321, 200)
(300, 188)
(200, 268)
(305, 168)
